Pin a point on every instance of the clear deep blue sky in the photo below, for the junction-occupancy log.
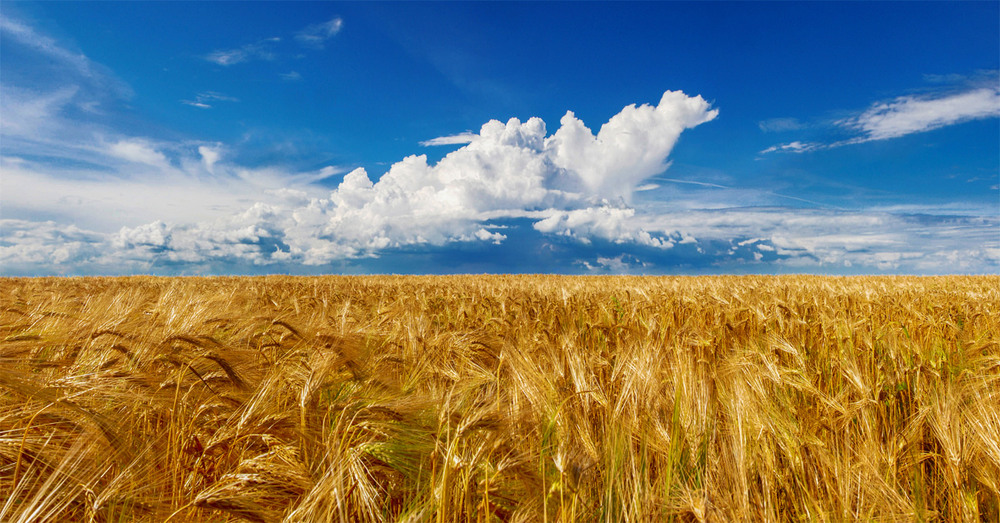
(231, 137)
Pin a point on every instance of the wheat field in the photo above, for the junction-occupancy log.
(500, 398)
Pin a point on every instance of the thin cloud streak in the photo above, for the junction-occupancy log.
(907, 115)
(455, 139)
(202, 100)
(87, 73)
(260, 50)
(316, 35)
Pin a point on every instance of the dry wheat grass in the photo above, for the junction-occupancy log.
(520, 398)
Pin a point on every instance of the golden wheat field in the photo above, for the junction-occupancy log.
(496, 398)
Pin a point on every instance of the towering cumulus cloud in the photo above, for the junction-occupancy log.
(508, 170)
(631, 147)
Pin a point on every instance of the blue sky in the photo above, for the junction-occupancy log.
(659, 138)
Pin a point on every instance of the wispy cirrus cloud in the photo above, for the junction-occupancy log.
(793, 147)
(904, 115)
(43, 44)
(206, 99)
(316, 35)
(910, 114)
(59, 56)
(261, 50)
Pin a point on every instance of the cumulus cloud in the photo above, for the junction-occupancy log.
(631, 147)
(316, 35)
(26, 246)
(805, 238)
(789, 239)
(507, 171)
(608, 223)
(622, 264)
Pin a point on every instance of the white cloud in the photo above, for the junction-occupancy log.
(209, 156)
(25, 245)
(28, 113)
(59, 163)
(608, 223)
(260, 50)
(793, 147)
(793, 239)
(202, 100)
(493, 237)
(506, 171)
(70, 63)
(909, 114)
(137, 182)
(316, 35)
(141, 205)
(138, 151)
(455, 139)
(622, 264)
(46, 45)
(291, 76)
(905, 115)
(313, 36)
(801, 238)
(631, 147)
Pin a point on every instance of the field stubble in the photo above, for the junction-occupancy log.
(468, 398)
